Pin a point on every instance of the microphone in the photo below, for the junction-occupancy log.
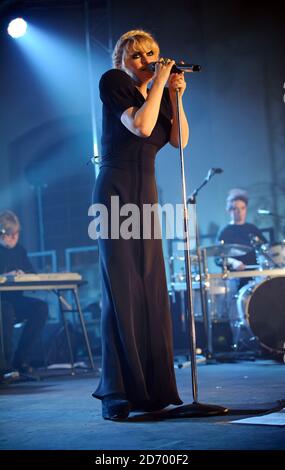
(177, 68)
(212, 172)
(264, 212)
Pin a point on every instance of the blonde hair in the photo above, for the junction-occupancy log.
(236, 194)
(135, 40)
(9, 222)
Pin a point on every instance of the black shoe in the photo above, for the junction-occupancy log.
(115, 408)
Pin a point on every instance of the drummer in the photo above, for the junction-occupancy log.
(238, 231)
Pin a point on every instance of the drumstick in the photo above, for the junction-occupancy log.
(252, 266)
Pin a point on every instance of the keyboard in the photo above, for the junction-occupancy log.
(43, 277)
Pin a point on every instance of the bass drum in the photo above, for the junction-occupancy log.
(262, 308)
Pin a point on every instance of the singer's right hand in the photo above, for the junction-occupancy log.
(176, 82)
(163, 69)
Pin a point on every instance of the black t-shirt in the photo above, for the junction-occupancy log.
(13, 259)
(241, 235)
(16, 258)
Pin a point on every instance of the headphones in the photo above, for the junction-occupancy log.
(3, 231)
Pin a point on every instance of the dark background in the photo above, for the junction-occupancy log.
(235, 106)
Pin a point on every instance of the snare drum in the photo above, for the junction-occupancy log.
(261, 306)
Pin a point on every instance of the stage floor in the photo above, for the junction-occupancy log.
(58, 412)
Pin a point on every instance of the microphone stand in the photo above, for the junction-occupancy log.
(196, 408)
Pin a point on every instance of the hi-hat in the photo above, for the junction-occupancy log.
(227, 250)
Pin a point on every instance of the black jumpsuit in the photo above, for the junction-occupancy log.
(137, 355)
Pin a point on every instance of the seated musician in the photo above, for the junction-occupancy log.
(240, 232)
(15, 306)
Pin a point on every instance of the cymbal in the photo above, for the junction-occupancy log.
(227, 250)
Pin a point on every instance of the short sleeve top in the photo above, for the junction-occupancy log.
(118, 92)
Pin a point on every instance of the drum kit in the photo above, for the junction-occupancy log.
(251, 301)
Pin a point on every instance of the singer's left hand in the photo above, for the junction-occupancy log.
(176, 81)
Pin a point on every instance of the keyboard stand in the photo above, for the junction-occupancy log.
(64, 309)
(57, 286)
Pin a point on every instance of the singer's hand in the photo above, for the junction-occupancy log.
(162, 70)
(176, 81)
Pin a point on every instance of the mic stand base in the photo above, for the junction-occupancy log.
(196, 409)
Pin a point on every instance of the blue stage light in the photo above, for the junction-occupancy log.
(17, 28)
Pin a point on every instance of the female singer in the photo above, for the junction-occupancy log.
(139, 118)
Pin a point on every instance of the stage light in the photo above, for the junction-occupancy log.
(17, 28)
